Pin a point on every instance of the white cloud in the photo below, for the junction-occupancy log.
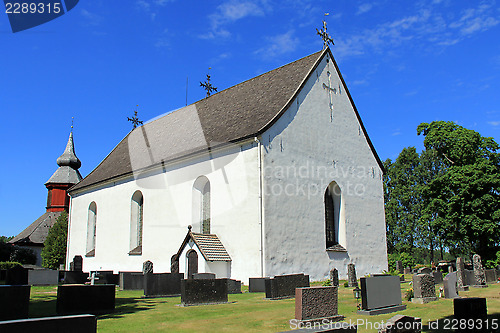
(364, 8)
(278, 45)
(230, 12)
(494, 123)
(92, 19)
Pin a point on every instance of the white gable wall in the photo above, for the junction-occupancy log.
(302, 153)
(168, 210)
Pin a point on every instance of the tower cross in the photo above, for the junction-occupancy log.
(135, 120)
(208, 86)
(324, 35)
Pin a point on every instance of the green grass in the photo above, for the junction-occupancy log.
(247, 312)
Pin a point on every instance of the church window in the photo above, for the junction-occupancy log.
(201, 204)
(91, 229)
(136, 223)
(333, 215)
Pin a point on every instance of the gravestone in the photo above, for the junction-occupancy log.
(131, 281)
(174, 264)
(43, 277)
(107, 277)
(73, 324)
(450, 285)
(14, 302)
(407, 270)
(283, 286)
(73, 277)
(147, 267)
(352, 281)
(3, 273)
(233, 286)
(257, 285)
(450, 269)
(424, 270)
(380, 294)
(334, 277)
(470, 310)
(334, 327)
(399, 267)
(438, 277)
(491, 275)
(162, 284)
(77, 263)
(424, 289)
(200, 276)
(16, 275)
(85, 299)
(461, 278)
(203, 291)
(479, 277)
(317, 304)
(402, 324)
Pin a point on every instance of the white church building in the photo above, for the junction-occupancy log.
(276, 175)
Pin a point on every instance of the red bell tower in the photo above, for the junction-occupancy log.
(65, 176)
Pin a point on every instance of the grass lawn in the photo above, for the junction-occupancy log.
(247, 312)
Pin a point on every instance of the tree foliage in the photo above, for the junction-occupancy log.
(23, 255)
(446, 196)
(54, 251)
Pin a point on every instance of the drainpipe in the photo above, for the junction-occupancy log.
(66, 264)
(261, 211)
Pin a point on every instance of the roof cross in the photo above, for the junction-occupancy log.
(207, 85)
(135, 120)
(324, 35)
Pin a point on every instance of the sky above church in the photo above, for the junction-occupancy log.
(404, 62)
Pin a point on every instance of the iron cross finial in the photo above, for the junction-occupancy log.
(324, 34)
(207, 85)
(135, 120)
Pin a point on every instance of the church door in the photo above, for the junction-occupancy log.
(192, 257)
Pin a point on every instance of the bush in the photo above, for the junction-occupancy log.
(23, 255)
(8, 264)
(54, 251)
(346, 284)
(326, 283)
(5, 251)
(409, 294)
(492, 264)
(406, 259)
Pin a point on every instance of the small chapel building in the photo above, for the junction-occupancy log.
(275, 175)
(66, 175)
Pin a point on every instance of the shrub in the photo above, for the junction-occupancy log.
(23, 255)
(54, 250)
(406, 259)
(409, 294)
(8, 264)
(326, 283)
(346, 284)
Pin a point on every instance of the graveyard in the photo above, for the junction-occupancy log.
(245, 312)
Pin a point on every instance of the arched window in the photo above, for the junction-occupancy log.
(201, 204)
(334, 214)
(136, 223)
(91, 229)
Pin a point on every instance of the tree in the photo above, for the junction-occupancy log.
(23, 255)
(54, 251)
(464, 199)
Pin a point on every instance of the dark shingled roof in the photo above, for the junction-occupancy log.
(36, 232)
(237, 113)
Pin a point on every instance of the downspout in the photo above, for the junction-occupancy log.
(261, 210)
(66, 264)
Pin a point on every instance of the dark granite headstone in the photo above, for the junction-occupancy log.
(147, 267)
(465, 309)
(450, 285)
(77, 263)
(203, 291)
(469, 277)
(424, 270)
(16, 275)
(162, 284)
(352, 281)
(257, 285)
(73, 277)
(380, 294)
(200, 276)
(423, 288)
(317, 304)
(43, 277)
(334, 277)
(131, 281)
(438, 277)
(479, 277)
(106, 277)
(14, 302)
(283, 286)
(491, 275)
(84, 299)
(402, 324)
(233, 286)
(74, 324)
(174, 264)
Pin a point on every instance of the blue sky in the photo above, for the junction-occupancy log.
(404, 62)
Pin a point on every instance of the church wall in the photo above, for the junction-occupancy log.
(168, 210)
(305, 150)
